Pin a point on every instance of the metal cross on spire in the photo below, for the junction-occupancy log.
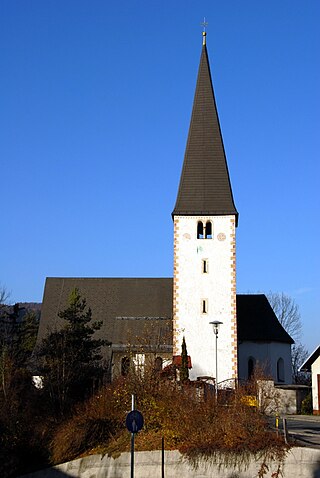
(204, 33)
(204, 24)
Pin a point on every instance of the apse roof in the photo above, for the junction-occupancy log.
(257, 321)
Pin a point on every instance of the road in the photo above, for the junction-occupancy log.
(305, 429)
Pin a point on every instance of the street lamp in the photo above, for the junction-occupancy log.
(216, 324)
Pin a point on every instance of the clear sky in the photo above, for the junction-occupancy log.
(95, 106)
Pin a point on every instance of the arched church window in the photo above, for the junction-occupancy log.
(125, 366)
(158, 364)
(208, 234)
(280, 370)
(200, 230)
(251, 364)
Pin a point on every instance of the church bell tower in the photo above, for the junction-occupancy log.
(205, 219)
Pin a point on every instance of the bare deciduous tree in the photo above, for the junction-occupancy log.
(4, 296)
(299, 355)
(287, 311)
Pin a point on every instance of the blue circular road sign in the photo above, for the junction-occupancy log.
(134, 421)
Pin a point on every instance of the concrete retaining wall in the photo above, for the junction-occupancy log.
(300, 463)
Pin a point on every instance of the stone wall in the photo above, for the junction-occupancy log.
(280, 400)
(299, 463)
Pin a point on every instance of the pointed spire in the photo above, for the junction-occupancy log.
(205, 187)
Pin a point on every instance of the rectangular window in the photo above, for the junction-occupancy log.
(204, 306)
(205, 266)
(139, 363)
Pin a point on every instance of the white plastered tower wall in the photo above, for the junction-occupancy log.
(217, 287)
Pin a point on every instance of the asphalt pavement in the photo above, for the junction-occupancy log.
(304, 430)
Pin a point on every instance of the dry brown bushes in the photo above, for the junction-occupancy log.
(197, 427)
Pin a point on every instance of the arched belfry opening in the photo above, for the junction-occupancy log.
(204, 230)
(200, 230)
(208, 232)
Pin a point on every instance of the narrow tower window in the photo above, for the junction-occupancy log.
(205, 266)
(208, 234)
(204, 306)
(200, 230)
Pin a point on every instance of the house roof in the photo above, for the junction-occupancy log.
(306, 366)
(257, 321)
(139, 311)
(205, 187)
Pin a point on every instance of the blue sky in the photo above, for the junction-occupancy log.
(95, 105)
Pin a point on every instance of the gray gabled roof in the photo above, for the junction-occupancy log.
(132, 311)
(205, 187)
(139, 311)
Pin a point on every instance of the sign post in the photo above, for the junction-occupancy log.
(134, 423)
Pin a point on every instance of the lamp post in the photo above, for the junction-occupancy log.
(216, 324)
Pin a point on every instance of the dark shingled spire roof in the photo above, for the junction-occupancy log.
(205, 187)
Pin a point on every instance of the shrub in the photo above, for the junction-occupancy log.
(195, 425)
(306, 405)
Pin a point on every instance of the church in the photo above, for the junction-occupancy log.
(227, 334)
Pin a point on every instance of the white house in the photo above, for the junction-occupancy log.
(312, 364)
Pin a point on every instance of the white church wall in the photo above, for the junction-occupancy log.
(266, 356)
(217, 287)
(315, 371)
(140, 361)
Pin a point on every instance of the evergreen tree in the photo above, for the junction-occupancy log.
(184, 370)
(70, 358)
